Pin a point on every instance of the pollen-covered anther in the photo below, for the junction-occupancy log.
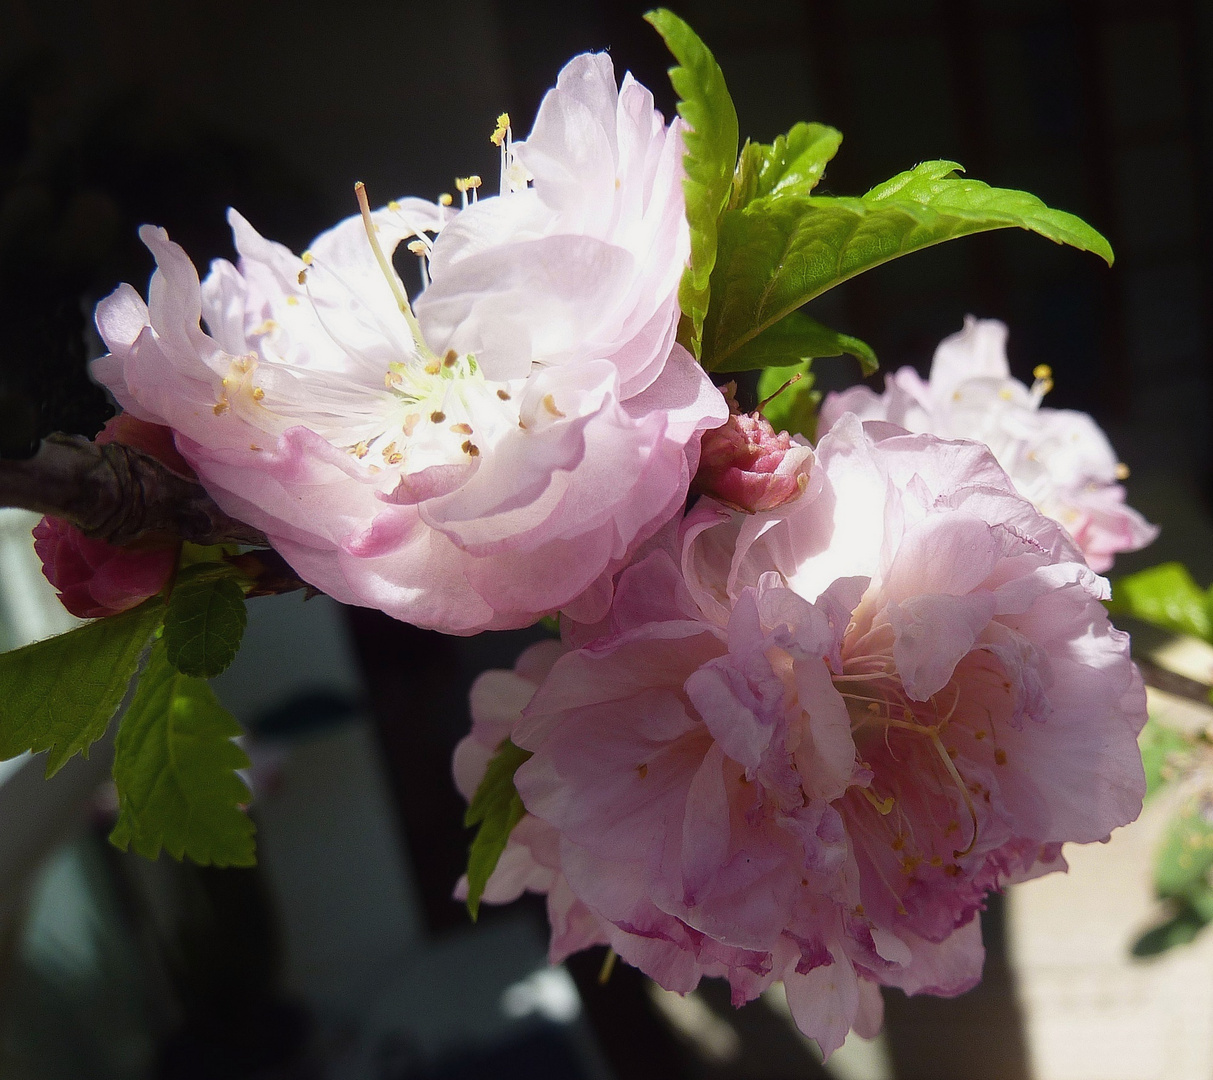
(503, 395)
(433, 367)
(418, 247)
(258, 393)
(437, 416)
(306, 258)
(549, 403)
(499, 132)
(470, 448)
(360, 450)
(445, 199)
(450, 359)
(1121, 472)
(462, 429)
(221, 406)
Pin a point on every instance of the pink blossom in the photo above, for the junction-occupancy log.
(747, 466)
(806, 744)
(1058, 458)
(95, 578)
(488, 453)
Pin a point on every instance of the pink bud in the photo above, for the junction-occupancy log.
(746, 465)
(95, 578)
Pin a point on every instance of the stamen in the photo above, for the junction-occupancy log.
(445, 199)
(499, 132)
(1121, 472)
(767, 400)
(964, 791)
(389, 274)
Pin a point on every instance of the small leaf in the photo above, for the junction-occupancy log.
(1167, 597)
(793, 163)
(1180, 929)
(1163, 751)
(798, 337)
(1183, 861)
(710, 159)
(174, 767)
(496, 808)
(59, 694)
(782, 250)
(794, 409)
(205, 621)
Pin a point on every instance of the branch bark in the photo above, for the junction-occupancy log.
(117, 494)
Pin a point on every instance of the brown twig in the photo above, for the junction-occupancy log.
(118, 494)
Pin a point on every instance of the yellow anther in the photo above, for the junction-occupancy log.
(503, 125)
(394, 459)
(392, 378)
(302, 278)
(445, 199)
(549, 403)
(221, 406)
(1042, 371)
(883, 806)
(361, 450)
(1005, 393)
(388, 450)
(292, 301)
(1121, 471)
(418, 247)
(258, 393)
(267, 327)
(307, 258)
(393, 205)
(467, 183)
(433, 367)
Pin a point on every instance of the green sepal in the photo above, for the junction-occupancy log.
(175, 770)
(782, 250)
(496, 809)
(1167, 597)
(710, 161)
(793, 163)
(798, 337)
(205, 620)
(793, 409)
(60, 694)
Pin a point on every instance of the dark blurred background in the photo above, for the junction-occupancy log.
(119, 112)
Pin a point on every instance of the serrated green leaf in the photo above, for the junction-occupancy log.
(1163, 754)
(782, 250)
(1167, 597)
(59, 694)
(1183, 861)
(496, 808)
(710, 161)
(205, 621)
(798, 337)
(1180, 929)
(793, 163)
(174, 768)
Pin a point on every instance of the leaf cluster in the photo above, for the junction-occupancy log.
(174, 759)
(763, 244)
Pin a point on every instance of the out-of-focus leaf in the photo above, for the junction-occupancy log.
(1180, 929)
(1183, 861)
(1167, 597)
(793, 409)
(1163, 751)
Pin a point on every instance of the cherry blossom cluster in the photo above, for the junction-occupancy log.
(796, 732)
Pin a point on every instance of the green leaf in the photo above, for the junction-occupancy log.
(205, 621)
(782, 250)
(1183, 861)
(794, 162)
(710, 160)
(496, 808)
(1180, 929)
(174, 767)
(1163, 750)
(1165, 596)
(794, 409)
(59, 694)
(798, 337)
